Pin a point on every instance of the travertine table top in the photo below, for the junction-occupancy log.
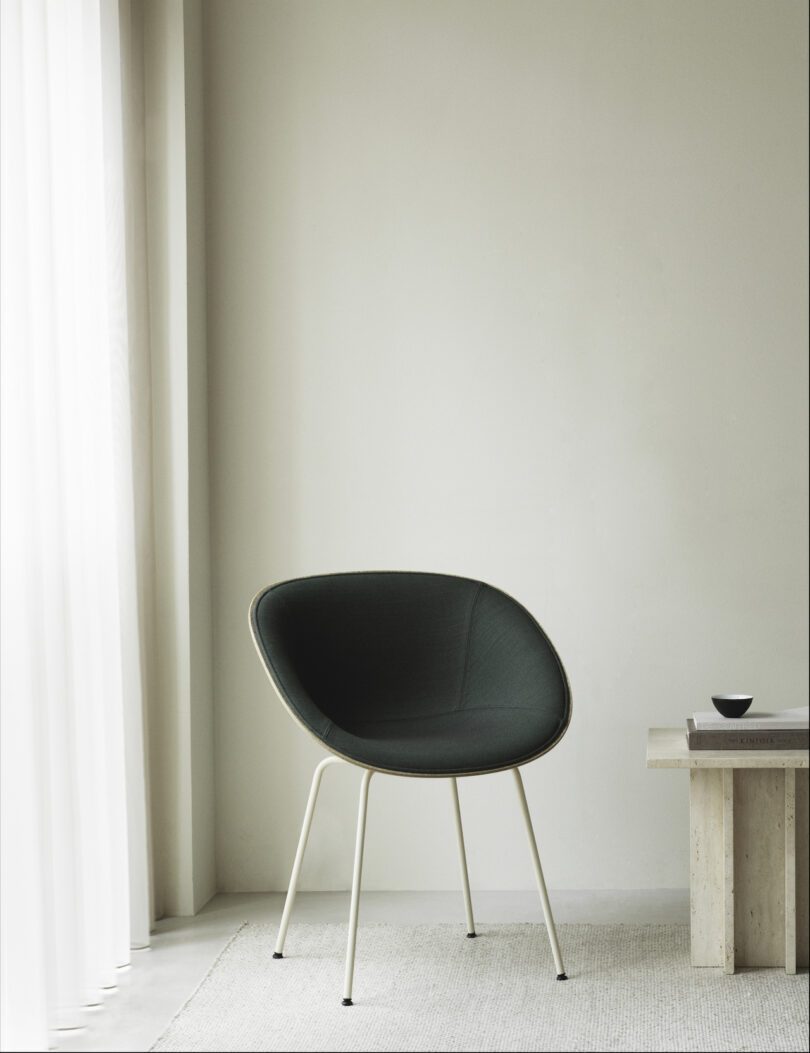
(666, 748)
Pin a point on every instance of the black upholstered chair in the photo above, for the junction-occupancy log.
(412, 674)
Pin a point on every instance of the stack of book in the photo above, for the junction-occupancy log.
(784, 730)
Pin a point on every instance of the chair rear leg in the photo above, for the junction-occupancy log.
(299, 855)
(358, 871)
(462, 855)
(538, 873)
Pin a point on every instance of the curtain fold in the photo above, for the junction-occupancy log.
(75, 870)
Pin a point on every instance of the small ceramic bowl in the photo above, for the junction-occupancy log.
(732, 705)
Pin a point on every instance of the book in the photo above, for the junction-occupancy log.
(767, 739)
(754, 721)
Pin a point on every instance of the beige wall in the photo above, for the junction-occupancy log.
(515, 290)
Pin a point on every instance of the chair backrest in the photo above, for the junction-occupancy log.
(343, 648)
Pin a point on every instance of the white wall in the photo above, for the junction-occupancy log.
(515, 290)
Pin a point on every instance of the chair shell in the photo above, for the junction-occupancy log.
(413, 673)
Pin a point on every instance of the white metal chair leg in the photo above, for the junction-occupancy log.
(299, 855)
(538, 873)
(358, 870)
(462, 855)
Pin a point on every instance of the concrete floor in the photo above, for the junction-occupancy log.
(161, 979)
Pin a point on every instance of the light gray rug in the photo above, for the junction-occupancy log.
(630, 987)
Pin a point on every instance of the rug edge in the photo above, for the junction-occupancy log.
(196, 990)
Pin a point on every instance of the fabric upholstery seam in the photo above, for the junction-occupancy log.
(470, 618)
(447, 713)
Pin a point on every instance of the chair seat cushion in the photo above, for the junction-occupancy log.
(459, 742)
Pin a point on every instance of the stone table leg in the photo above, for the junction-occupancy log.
(749, 867)
(706, 866)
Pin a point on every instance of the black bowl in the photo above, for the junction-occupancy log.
(732, 705)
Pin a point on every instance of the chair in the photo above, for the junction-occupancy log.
(424, 675)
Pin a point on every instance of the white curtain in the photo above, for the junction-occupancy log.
(75, 886)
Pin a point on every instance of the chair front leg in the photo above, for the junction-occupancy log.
(462, 855)
(358, 871)
(299, 855)
(538, 873)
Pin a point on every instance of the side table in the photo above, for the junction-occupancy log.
(749, 873)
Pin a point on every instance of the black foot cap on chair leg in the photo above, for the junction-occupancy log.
(347, 1001)
(561, 976)
(471, 935)
(277, 955)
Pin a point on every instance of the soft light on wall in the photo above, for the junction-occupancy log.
(515, 290)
